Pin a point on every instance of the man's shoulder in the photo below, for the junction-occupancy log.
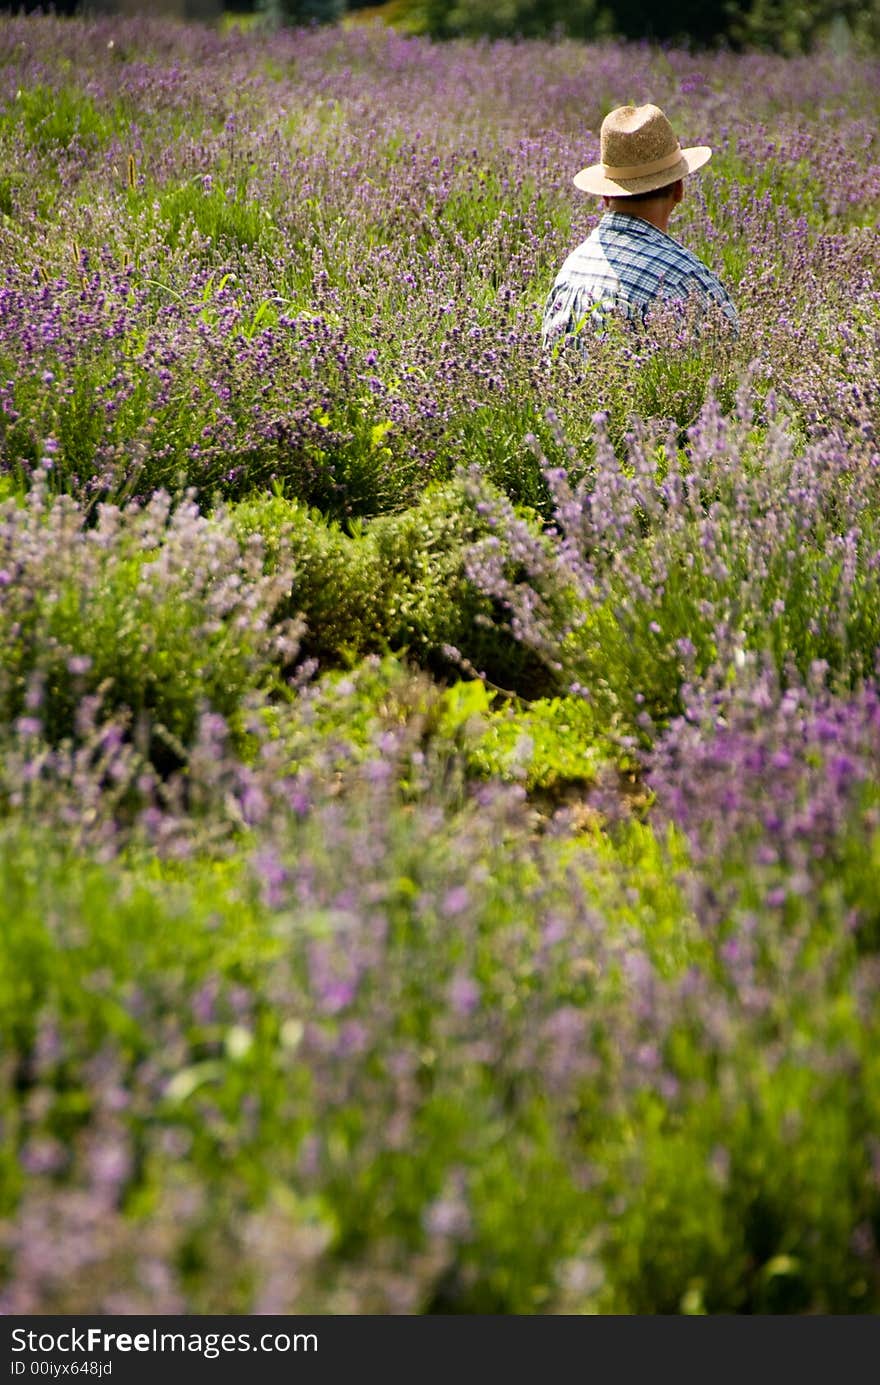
(684, 274)
(682, 260)
(583, 253)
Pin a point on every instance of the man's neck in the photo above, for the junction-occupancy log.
(657, 213)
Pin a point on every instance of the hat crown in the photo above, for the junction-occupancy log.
(640, 153)
(634, 135)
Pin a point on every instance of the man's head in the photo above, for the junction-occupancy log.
(641, 157)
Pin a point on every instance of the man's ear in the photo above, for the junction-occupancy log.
(678, 192)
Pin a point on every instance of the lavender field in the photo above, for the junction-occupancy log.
(439, 784)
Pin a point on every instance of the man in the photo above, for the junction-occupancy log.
(629, 262)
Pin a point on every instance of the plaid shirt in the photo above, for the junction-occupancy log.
(626, 263)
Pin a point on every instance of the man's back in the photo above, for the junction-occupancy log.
(626, 264)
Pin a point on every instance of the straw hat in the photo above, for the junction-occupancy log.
(639, 153)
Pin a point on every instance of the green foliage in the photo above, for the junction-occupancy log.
(301, 12)
(339, 586)
(155, 947)
(226, 217)
(530, 18)
(788, 27)
(433, 605)
(549, 745)
(784, 26)
(398, 583)
(9, 185)
(53, 118)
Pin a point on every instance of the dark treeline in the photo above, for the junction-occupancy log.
(788, 26)
(181, 9)
(782, 25)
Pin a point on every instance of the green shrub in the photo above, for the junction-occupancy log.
(302, 12)
(437, 611)
(397, 583)
(338, 585)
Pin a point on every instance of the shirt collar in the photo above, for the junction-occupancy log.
(626, 223)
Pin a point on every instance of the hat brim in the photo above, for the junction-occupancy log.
(593, 179)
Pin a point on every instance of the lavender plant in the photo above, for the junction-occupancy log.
(157, 610)
(684, 558)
